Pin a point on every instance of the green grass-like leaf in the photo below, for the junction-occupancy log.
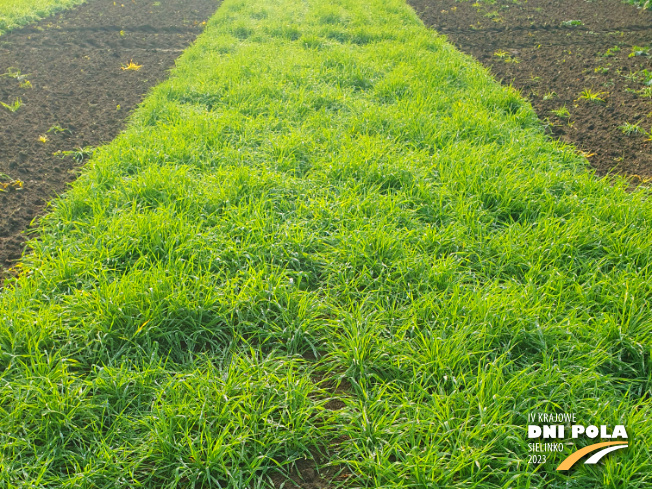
(17, 104)
(16, 13)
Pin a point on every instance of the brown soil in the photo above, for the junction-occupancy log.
(314, 473)
(552, 63)
(73, 62)
(306, 475)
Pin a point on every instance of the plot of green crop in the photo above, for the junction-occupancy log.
(15, 13)
(641, 3)
(326, 191)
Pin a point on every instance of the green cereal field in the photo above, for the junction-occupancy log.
(329, 251)
(15, 13)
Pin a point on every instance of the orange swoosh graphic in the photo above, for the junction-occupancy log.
(574, 457)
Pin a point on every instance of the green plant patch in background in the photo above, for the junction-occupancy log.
(16, 13)
(641, 3)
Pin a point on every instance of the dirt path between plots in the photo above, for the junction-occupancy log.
(78, 95)
(554, 50)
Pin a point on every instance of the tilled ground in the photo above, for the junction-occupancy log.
(67, 72)
(556, 50)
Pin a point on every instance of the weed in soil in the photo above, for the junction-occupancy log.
(607, 53)
(591, 96)
(70, 61)
(131, 66)
(631, 129)
(562, 112)
(17, 104)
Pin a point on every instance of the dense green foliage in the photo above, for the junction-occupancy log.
(641, 3)
(327, 179)
(15, 13)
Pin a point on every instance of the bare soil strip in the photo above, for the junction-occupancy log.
(78, 93)
(540, 47)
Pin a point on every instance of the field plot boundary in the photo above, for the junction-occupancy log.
(584, 68)
(65, 89)
(329, 251)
